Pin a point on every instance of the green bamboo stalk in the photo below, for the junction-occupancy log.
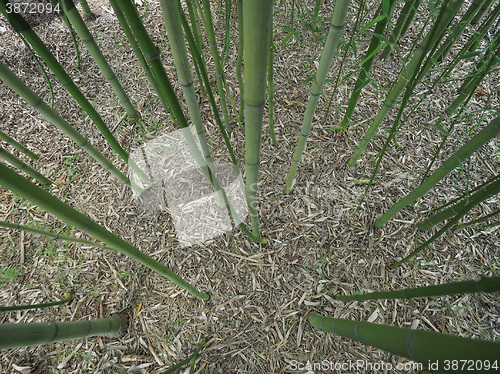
(445, 47)
(409, 6)
(173, 24)
(191, 357)
(233, 105)
(451, 202)
(475, 8)
(17, 163)
(198, 41)
(411, 16)
(484, 7)
(84, 34)
(421, 346)
(65, 20)
(14, 335)
(466, 91)
(21, 148)
(42, 68)
(465, 94)
(36, 102)
(336, 29)
(152, 55)
(362, 79)
(478, 35)
(137, 51)
(239, 60)
(67, 298)
(489, 60)
(227, 34)
(478, 198)
(317, 6)
(482, 219)
(481, 284)
(454, 161)
(348, 46)
(408, 72)
(85, 7)
(29, 191)
(195, 25)
(257, 25)
(24, 29)
(270, 78)
(48, 234)
(454, 209)
(213, 104)
(206, 16)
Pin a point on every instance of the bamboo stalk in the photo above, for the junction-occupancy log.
(29, 191)
(209, 29)
(336, 29)
(22, 27)
(454, 209)
(42, 68)
(204, 75)
(85, 7)
(408, 72)
(257, 26)
(409, 19)
(137, 51)
(152, 55)
(239, 60)
(14, 335)
(67, 298)
(18, 86)
(191, 357)
(21, 148)
(48, 234)
(270, 78)
(173, 24)
(481, 284)
(350, 44)
(484, 7)
(492, 190)
(454, 161)
(227, 34)
(83, 32)
(17, 163)
(65, 20)
(482, 219)
(409, 7)
(362, 79)
(495, 178)
(421, 346)
(198, 41)
(446, 46)
(317, 6)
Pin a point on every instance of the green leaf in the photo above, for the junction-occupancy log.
(287, 38)
(443, 130)
(470, 54)
(371, 55)
(386, 7)
(381, 37)
(373, 22)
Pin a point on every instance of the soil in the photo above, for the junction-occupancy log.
(321, 237)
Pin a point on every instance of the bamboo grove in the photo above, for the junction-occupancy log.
(470, 30)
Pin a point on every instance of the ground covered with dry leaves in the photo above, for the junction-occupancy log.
(320, 242)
